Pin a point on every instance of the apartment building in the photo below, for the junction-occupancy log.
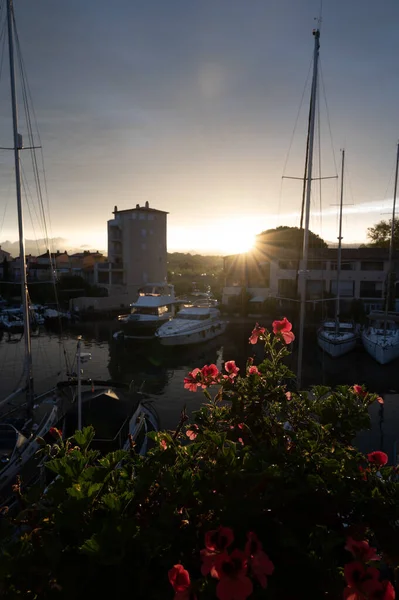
(273, 272)
(136, 250)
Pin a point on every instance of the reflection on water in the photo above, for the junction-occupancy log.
(160, 371)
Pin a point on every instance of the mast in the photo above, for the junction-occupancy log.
(313, 98)
(391, 242)
(17, 148)
(337, 301)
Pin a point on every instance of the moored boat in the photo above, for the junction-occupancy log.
(154, 306)
(336, 338)
(192, 325)
(381, 338)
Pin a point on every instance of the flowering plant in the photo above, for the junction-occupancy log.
(262, 495)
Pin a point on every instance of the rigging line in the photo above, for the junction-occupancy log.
(297, 116)
(28, 205)
(28, 195)
(320, 180)
(3, 38)
(29, 97)
(293, 133)
(328, 118)
(26, 94)
(30, 131)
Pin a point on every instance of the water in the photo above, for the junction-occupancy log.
(160, 371)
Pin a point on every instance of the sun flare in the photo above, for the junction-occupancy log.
(235, 240)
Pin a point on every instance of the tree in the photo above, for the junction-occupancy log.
(289, 237)
(380, 234)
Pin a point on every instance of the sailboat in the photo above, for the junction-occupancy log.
(25, 416)
(381, 337)
(337, 337)
(307, 190)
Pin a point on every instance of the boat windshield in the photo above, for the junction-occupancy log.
(193, 317)
(154, 290)
(147, 310)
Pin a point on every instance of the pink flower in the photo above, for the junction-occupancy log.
(163, 444)
(283, 328)
(234, 583)
(253, 371)
(377, 458)
(260, 564)
(216, 543)
(231, 368)
(56, 433)
(219, 539)
(179, 578)
(359, 391)
(192, 433)
(380, 400)
(192, 382)
(210, 371)
(288, 395)
(356, 574)
(364, 582)
(361, 550)
(256, 333)
(364, 472)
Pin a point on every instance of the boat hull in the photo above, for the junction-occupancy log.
(193, 337)
(380, 351)
(141, 329)
(336, 347)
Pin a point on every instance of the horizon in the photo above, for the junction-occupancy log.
(193, 108)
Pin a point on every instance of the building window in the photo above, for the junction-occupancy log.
(142, 216)
(346, 288)
(287, 288)
(288, 264)
(314, 289)
(345, 266)
(143, 232)
(372, 265)
(371, 289)
(317, 265)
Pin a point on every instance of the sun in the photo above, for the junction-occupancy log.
(234, 239)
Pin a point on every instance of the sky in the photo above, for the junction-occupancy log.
(191, 105)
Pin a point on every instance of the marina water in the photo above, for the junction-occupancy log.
(159, 371)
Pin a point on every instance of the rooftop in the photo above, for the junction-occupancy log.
(145, 208)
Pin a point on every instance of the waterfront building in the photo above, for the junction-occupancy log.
(271, 272)
(136, 250)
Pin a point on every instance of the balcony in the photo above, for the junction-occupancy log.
(115, 234)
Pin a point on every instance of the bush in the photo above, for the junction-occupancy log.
(264, 487)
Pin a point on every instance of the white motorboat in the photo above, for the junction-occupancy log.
(154, 306)
(381, 337)
(336, 338)
(192, 325)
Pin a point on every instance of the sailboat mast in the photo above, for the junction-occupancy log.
(391, 243)
(339, 261)
(304, 267)
(17, 148)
